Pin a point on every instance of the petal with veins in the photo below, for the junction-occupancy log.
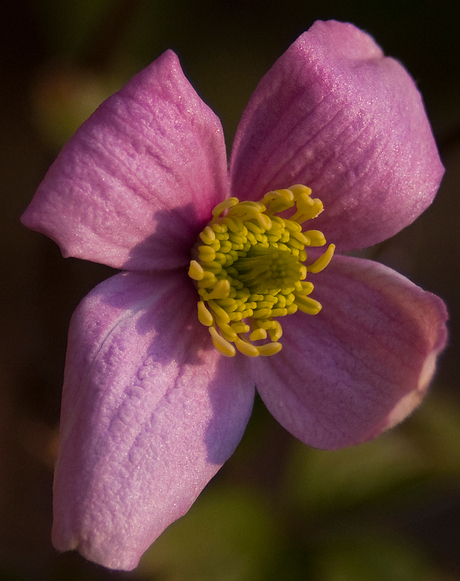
(359, 366)
(139, 179)
(336, 115)
(150, 412)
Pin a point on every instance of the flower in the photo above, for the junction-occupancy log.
(150, 408)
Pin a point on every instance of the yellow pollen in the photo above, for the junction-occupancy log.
(249, 268)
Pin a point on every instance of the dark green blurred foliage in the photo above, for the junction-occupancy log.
(388, 510)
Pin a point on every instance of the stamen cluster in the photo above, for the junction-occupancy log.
(249, 269)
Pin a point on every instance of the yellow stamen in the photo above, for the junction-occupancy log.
(258, 335)
(196, 270)
(204, 316)
(249, 268)
(321, 263)
(221, 344)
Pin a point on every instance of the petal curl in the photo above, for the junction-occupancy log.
(137, 182)
(336, 115)
(150, 412)
(362, 364)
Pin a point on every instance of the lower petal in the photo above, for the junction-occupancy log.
(362, 364)
(150, 412)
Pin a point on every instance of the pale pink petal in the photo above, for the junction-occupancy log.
(336, 115)
(359, 366)
(150, 413)
(137, 182)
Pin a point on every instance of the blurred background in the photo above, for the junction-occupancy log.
(387, 510)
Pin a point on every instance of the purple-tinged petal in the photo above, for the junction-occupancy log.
(362, 364)
(150, 412)
(336, 115)
(137, 182)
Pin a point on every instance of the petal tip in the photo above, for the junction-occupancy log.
(409, 402)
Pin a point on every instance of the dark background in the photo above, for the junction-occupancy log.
(388, 510)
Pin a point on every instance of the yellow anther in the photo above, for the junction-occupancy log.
(195, 270)
(300, 190)
(279, 312)
(247, 313)
(213, 267)
(247, 210)
(228, 203)
(307, 287)
(321, 263)
(246, 348)
(240, 327)
(249, 268)
(307, 208)
(221, 290)
(316, 237)
(221, 344)
(258, 335)
(269, 348)
(227, 332)
(221, 315)
(265, 323)
(301, 238)
(293, 226)
(261, 313)
(208, 235)
(206, 253)
(235, 224)
(204, 316)
(264, 221)
(276, 332)
(281, 302)
(208, 279)
(229, 304)
(236, 316)
(308, 305)
(220, 230)
(279, 200)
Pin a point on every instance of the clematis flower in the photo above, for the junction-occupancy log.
(158, 390)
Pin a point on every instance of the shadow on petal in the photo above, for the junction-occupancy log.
(176, 231)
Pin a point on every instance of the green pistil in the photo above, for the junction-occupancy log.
(249, 269)
(267, 269)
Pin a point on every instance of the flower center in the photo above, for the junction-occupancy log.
(267, 269)
(249, 267)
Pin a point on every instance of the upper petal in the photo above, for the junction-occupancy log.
(336, 115)
(150, 412)
(136, 183)
(362, 364)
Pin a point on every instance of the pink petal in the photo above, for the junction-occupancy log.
(150, 412)
(336, 115)
(362, 364)
(137, 182)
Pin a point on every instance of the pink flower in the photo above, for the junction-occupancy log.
(151, 409)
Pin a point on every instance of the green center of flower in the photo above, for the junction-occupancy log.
(267, 269)
(249, 267)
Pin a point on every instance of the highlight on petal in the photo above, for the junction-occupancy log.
(336, 115)
(138, 181)
(150, 412)
(362, 364)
